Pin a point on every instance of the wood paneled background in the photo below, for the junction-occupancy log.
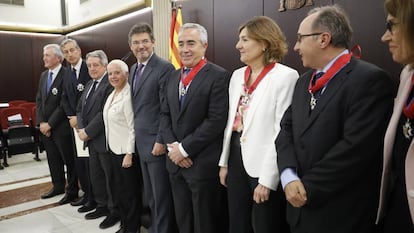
(21, 54)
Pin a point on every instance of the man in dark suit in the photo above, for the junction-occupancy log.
(330, 143)
(54, 127)
(147, 80)
(73, 86)
(92, 132)
(194, 116)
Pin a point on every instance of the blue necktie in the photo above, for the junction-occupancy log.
(137, 76)
(49, 82)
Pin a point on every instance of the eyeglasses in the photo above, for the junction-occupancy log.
(300, 36)
(390, 25)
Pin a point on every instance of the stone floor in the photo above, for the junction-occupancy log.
(22, 210)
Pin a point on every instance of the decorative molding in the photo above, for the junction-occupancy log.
(65, 30)
(294, 4)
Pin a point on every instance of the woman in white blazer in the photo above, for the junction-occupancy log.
(120, 139)
(396, 208)
(259, 94)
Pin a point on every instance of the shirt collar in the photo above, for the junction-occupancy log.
(346, 51)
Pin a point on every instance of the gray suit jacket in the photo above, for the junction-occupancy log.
(146, 103)
(92, 121)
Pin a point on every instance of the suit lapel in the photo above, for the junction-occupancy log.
(131, 77)
(56, 83)
(146, 73)
(98, 89)
(330, 91)
(257, 99)
(194, 85)
(175, 82)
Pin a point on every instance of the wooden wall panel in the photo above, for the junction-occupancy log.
(368, 21)
(289, 21)
(112, 38)
(21, 64)
(228, 16)
(201, 12)
(21, 54)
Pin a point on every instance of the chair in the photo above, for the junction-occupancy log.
(16, 103)
(18, 134)
(29, 106)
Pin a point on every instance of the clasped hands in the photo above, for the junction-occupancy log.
(177, 158)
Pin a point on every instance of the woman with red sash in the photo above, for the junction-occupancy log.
(397, 186)
(259, 94)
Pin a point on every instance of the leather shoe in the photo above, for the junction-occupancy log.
(79, 201)
(99, 212)
(88, 206)
(67, 199)
(109, 221)
(52, 193)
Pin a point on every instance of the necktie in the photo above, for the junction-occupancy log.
(137, 76)
(75, 77)
(88, 101)
(318, 76)
(92, 90)
(49, 82)
(183, 90)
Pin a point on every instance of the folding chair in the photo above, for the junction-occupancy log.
(17, 133)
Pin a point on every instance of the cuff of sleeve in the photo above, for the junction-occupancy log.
(288, 175)
(182, 151)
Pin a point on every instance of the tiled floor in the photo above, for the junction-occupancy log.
(26, 217)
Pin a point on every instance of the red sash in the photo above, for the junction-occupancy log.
(248, 71)
(192, 73)
(341, 62)
(409, 105)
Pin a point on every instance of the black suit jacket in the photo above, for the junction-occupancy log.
(200, 122)
(336, 149)
(73, 89)
(146, 102)
(48, 108)
(93, 122)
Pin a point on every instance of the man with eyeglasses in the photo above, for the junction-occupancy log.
(147, 79)
(330, 144)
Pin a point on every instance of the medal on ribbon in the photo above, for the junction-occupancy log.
(408, 111)
(340, 63)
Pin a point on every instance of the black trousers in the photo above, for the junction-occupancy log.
(125, 188)
(246, 216)
(60, 153)
(198, 204)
